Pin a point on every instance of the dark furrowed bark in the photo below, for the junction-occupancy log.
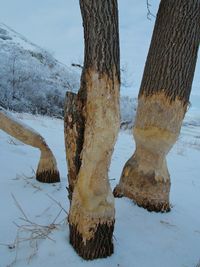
(48, 176)
(100, 246)
(173, 51)
(100, 22)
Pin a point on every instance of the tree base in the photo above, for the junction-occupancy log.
(148, 204)
(148, 190)
(48, 177)
(99, 246)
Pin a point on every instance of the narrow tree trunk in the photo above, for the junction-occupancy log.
(47, 171)
(92, 213)
(163, 99)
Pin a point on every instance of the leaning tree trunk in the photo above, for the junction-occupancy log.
(92, 213)
(163, 100)
(47, 171)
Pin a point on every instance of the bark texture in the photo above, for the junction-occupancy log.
(74, 133)
(92, 248)
(47, 171)
(173, 51)
(91, 217)
(163, 99)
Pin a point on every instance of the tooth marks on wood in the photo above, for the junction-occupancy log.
(99, 246)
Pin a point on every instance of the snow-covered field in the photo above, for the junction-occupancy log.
(141, 238)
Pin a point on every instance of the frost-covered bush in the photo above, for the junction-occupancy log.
(31, 79)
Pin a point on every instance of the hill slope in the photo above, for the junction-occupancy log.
(31, 79)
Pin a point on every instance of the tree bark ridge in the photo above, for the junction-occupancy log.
(173, 51)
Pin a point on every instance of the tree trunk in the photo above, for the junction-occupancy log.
(92, 213)
(47, 171)
(163, 99)
(73, 132)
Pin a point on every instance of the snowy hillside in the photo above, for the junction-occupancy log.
(31, 79)
(141, 238)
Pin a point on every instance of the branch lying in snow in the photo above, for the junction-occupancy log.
(31, 232)
(28, 182)
(58, 203)
(167, 223)
(25, 178)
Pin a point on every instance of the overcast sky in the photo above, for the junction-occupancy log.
(56, 26)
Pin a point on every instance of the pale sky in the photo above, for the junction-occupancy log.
(56, 26)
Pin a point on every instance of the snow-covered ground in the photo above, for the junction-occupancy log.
(141, 238)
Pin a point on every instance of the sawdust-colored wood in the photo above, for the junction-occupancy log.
(47, 171)
(163, 99)
(91, 216)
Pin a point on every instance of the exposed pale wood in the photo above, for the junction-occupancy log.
(92, 203)
(92, 212)
(163, 99)
(145, 177)
(47, 171)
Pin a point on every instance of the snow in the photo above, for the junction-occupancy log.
(9, 116)
(140, 238)
(31, 79)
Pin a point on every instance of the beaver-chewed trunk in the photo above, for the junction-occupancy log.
(47, 171)
(92, 208)
(163, 99)
(92, 212)
(73, 132)
(145, 177)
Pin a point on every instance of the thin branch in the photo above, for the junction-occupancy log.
(53, 223)
(149, 13)
(58, 203)
(77, 65)
(19, 207)
(31, 232)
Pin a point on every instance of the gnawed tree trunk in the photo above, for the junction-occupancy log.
(163, 100)
(74, 133)
(47, 171)
(92, 213)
